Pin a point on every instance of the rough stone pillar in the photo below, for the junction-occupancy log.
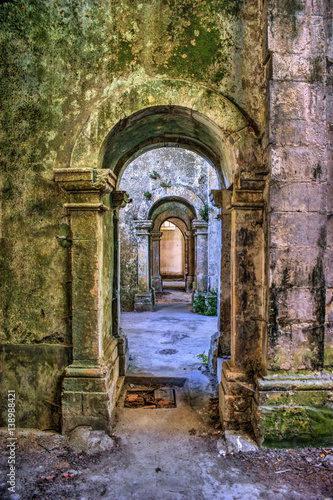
(222, 199)
(156, 277)
(190, 260)
(220, 341)
(143, 299)
(237, 388)
(119, 200)
(201, 255)
(86, 396)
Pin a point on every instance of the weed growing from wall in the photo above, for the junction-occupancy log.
(203, 212)
(147, 195)
(206, 305)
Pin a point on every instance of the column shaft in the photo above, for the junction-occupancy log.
(201, 255)
(156, 276)
(190, 260)
(143, 299)
(238, 381)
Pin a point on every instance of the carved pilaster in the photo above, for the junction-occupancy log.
(190, 260)
(119, 199)
(247, 303)
(87, 398)
(156, 276)
(201, 235)
(144, 298)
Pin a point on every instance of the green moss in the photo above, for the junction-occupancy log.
(206, 304)
(204, 213)
(65, 232)
(199, 48)
(328, 356)
(287, 427)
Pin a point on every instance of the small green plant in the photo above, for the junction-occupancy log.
(207, 306)
(165, 184)
(154, 175)
(203, 212)
(147, 195)
(204, 358)
(211, 304)
(199, 304)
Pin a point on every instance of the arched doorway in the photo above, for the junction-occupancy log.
(172, 252)
(233, 149)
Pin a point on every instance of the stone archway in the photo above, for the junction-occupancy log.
(149, 234)
(176, 209)
(231, 144)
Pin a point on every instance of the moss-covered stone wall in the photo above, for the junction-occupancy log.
(59, 59)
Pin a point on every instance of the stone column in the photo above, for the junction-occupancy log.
(237, 388)
(190, 260)
(201, 255)
(143, 299)
(220, 341)
(222, 199)
(119, 200)
(86, 398)
(156, 277)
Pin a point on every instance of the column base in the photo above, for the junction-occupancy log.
(123, 355)
(143, 302)
(236, 399)
(295, 410)
(213, 353)
(156, 282)
(189, 283)
(87, 398)
(90, 391)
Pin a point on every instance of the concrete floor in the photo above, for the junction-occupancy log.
(166, 343)
(168, 340)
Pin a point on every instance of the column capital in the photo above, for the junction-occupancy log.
(190, 233)
(248, 193)
(73, 180)
(156, 235)
(143, 226)
(120, 199)
(200, 226)
(215, 197)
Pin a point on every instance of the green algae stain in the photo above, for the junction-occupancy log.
(185, 38)
(198, 49)
(289, 427)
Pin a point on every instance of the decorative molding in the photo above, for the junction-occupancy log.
(72, 180)
(120, 199)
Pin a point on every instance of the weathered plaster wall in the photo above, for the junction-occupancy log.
(190, 177)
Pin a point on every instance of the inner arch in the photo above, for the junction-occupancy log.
(160, 126)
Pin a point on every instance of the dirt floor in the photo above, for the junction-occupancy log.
(146, 464)
(158, 452)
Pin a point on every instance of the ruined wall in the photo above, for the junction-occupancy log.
(190, 177)
(299, 341)
(59, 60)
